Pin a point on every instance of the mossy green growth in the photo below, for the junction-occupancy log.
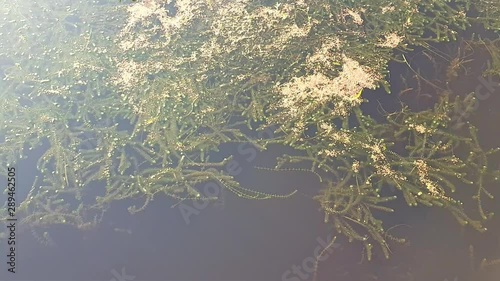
(137, 99)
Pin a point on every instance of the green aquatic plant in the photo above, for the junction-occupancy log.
(420, 155)
(493, 49)
(116, 102)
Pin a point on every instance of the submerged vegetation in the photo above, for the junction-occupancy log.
(134, 100)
